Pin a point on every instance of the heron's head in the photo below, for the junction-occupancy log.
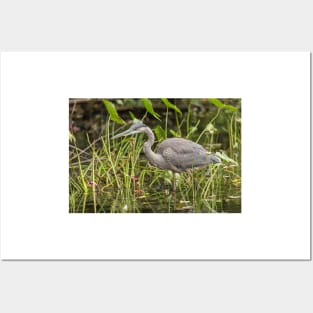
(136, 128)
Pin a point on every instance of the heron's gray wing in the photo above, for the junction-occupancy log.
(182, 154)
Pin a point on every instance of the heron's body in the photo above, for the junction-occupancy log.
(179, 155)
(175, 154)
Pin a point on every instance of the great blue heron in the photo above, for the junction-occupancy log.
(175, 154)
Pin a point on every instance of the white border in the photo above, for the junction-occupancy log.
(275, 88)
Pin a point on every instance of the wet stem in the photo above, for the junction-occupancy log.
(109, 154)
(177, 124)
(82, 176)
(132, 169)
(232, 135)
(94, 184)
(212, 120)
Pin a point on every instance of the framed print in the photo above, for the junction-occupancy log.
(155, 155)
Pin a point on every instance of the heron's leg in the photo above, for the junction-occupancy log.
(174, 182)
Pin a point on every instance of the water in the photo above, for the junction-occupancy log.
(154, 201)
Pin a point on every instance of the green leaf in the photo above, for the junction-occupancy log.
(112, 111)
(132, 115)
(174, 133)
(171, 105)
(221, 105)
(149, 107)
(160, 133)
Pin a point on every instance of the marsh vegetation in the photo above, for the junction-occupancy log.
(113, 175)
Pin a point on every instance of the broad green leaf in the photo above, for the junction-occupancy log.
(148, 105)
(112, 111)
(160, 133)
(230, 108)
(171, 105)
(221, 105)
(217, 103)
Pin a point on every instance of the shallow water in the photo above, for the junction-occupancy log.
(152, 201)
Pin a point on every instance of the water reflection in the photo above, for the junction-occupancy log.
(151, 201)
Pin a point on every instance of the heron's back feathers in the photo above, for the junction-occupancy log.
(182, 154)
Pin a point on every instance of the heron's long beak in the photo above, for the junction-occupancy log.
(125, 133)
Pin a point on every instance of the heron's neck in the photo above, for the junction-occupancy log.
(154, 158)
(151, 138)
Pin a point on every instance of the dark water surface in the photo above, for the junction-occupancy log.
(152, 201)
